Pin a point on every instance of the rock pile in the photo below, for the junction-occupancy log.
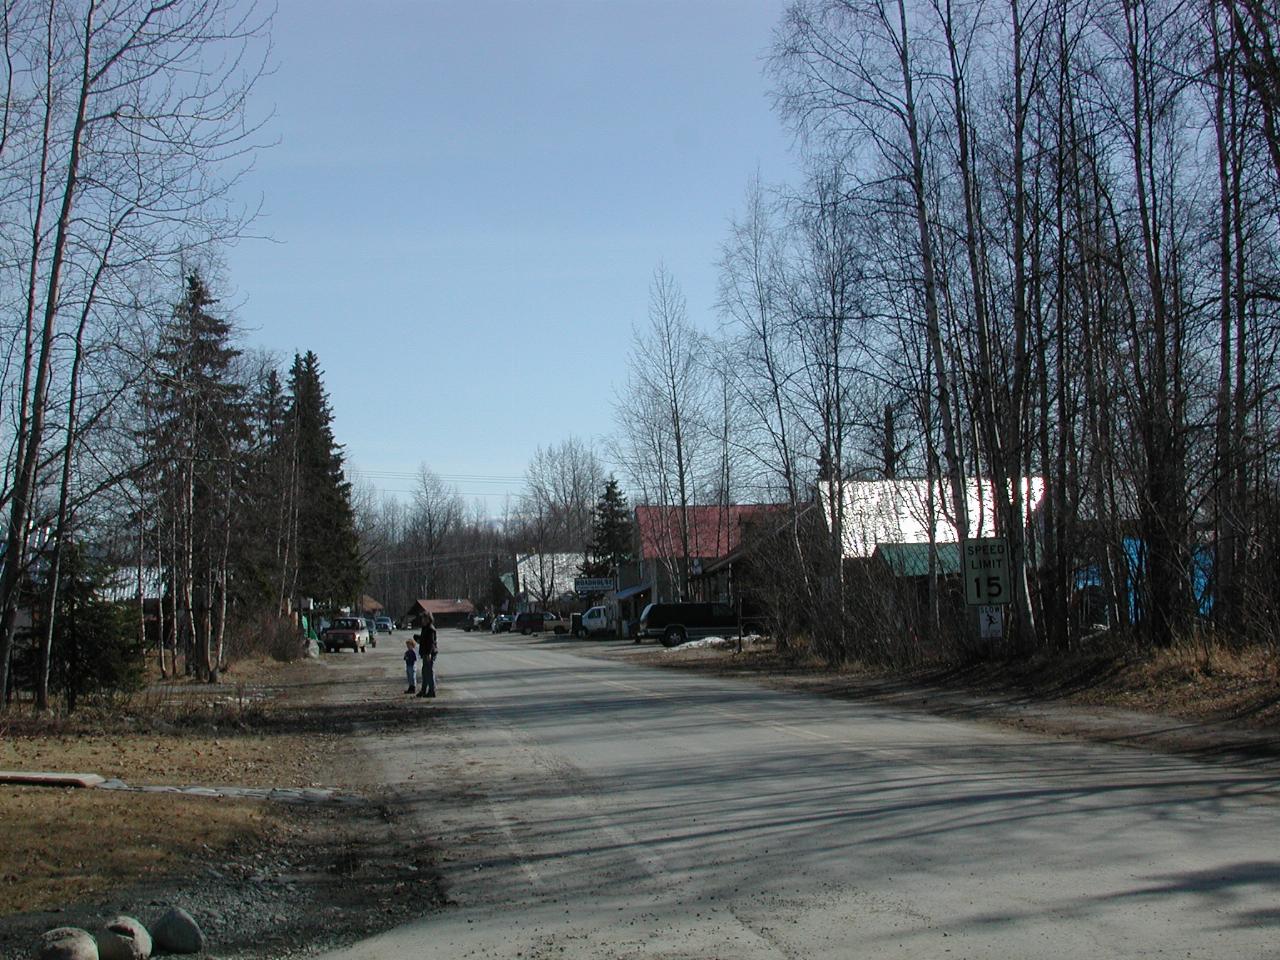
(125, 938)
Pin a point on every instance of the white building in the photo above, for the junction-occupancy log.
(545, 578)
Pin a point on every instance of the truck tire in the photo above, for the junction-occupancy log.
(673, 637)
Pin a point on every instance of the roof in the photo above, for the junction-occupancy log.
(912, 559)
(897, 511)
(368, 603)
(437, 607)
(714, 531)
(121, 584)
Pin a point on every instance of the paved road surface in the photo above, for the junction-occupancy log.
(593, 808)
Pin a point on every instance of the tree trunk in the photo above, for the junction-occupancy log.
(31, 432)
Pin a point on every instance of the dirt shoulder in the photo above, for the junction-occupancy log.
(263, 878)
(1215, 705)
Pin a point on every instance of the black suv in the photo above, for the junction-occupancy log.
(674, 623)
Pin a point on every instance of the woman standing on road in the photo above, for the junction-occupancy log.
(427, 644)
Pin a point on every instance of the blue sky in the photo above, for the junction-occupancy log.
(467, 202)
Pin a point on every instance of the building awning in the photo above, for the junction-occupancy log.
(628, 592)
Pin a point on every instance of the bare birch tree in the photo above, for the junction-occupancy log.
(665, 396)
(123, 124)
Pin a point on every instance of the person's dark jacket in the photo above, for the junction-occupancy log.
(427, 641)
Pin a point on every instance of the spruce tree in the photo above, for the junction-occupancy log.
(611, 533)
(328, 558)
(196, 446)
(96, 648)
(263, 557)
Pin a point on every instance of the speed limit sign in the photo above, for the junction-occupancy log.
(986, 572)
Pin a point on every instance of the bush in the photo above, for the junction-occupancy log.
(267, 634)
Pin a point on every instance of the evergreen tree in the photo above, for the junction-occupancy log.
(328, 566)
(96, 648)
(196, 445)
(263, 557)
(612, 534)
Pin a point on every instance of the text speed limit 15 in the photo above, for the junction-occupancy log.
(985, 566)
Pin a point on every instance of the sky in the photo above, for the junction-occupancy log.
(466, 201)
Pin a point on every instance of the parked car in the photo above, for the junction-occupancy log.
(539, 621)
(501, 623)
(383, 624)
(345, 632)
(597, 621)
(372, 626)
(674, 623)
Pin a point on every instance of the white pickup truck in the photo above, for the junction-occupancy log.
(597, 622)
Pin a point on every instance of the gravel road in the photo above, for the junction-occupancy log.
(589, 807)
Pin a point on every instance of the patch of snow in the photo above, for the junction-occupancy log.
(718, 642)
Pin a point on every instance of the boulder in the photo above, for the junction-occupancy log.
(177, 932)
(124, 938)
(67, 943)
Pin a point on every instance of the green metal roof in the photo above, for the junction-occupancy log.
(912, 559)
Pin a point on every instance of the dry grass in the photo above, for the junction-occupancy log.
(61, 846)
(64, 845)
(249, 760)
(1197, 681)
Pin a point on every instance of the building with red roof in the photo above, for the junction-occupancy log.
(444, 613)
(712, 533)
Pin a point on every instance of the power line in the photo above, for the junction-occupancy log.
(440, 559)
(461, 493)
(450, 477)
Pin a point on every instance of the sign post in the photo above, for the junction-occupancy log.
(985, 566)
